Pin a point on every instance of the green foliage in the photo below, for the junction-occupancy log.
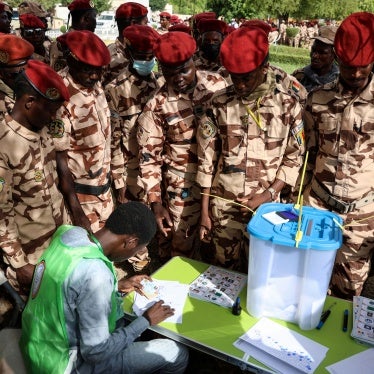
(288, 58)
(63, 29)
(188, 7)
(291, 32)
(157, 4)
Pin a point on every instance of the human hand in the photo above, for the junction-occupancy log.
(127, 285)
(253, 202)
(205, 228)
(162, 217)
(120, 193)
(24, 276)
(158, 312)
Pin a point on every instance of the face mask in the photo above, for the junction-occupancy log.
(210, 51)
(144, 68)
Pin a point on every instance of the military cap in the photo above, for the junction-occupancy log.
(180, 27)
(4, 7)
(165, 15)
(81, 5)
(174, 48)
(326, 34)
(140, 37)
(32, 7)
(197, 17)
(244, 50)
(131, 10)
(175, 19)
(354, 40)
(86, 47)
(46, 81)
(31, 21)
(257, 23)
(210, 24)
(13, 48)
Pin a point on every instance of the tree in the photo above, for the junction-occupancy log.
(157, 4)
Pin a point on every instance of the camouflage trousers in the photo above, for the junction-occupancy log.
(182, 199)
(230, 239)
(353, 259)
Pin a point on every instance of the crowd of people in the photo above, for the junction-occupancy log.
(187, 128)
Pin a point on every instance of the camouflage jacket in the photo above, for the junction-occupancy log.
(31, 206)
(127, 96)
(6, 99)
(245, 144)
(167, 131)
(340, 137)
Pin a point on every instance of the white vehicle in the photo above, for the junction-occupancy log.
(106, 20)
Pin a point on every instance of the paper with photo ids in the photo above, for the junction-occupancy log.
(172, 293)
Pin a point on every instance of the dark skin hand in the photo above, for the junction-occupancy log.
(24, 276)
(158, 312)
(162, 218)
(128, 285)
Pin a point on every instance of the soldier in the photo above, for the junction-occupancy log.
(6, 14)
(282, 32)
(339, 129)
(31, 206)
(34, 8)
(322, 68)
(14, 54)
(33, 30)
(212, 33)
(127, 96)
(250, 145)
(164, 23)
(82, 129)
(127, 14)
(83, 17)
(167, 142)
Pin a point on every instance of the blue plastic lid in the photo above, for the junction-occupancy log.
(320, 232)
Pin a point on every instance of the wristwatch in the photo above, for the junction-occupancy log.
(273, 193)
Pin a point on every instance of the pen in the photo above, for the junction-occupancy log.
(236, 308)
(345, 320)
(324, 317)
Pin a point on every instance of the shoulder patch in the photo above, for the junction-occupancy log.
(37, 280)
(208, 129)
(298, 133)
(56, 128)
(295, 86)
(2, 182)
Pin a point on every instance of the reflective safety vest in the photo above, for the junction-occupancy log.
(44, 341)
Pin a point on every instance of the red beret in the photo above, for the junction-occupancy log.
(210, 24)
(197, 17)
(6, 8)
(165, 14)
(131, 10)
(174, 48)
(140, 37)
(354, 40)
(31, 21)
(86, 47)
(14, 48)
(180, 27)
(175, 19)
(244, 50)
(46, 81)
(257, 23)
(81, 5)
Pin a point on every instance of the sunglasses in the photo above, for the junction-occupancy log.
(31, 32)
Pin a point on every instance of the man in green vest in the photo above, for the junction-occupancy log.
(71, 324)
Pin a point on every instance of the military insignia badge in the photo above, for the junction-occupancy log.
(295, 86)
(208, 129)
(298, 133)
(38, 175)
(56, 128)
(2, 182)
(37, 280)
(52, 93)
(4, 57)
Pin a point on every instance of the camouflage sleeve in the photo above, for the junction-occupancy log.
(151, 142)
(293, 155)
(207, 141)
(60, 129)
(9, 240)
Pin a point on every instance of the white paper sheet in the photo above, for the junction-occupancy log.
(172, 293)
(278, 345)
(362, 363)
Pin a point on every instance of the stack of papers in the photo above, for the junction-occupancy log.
(218, 286)
(281, 349)
(363, 320)
(172, 293)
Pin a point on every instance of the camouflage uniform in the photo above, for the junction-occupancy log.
(85, 134)
(339, 129)
(6, 99)
(201, 63)
(31, 206)
(118, 61)
(237, 158)
(309, 79)
(167, 143)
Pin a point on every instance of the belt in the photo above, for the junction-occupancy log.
(339, 205)
(182, 174)
(92, 190)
